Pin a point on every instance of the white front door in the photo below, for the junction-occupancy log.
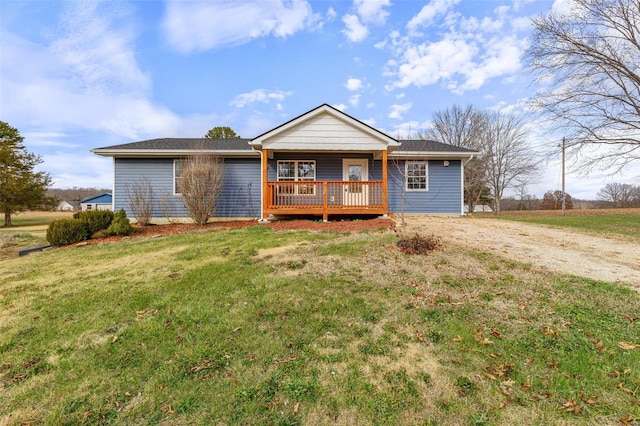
(355, 170)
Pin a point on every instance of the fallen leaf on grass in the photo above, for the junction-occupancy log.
(549, 331)
(30, 362)
(627, 421)
(631, 319)
(457, 339)
(505, 403)
(86, 416)
(283, 361)
(591, 399)
(19, 378)
(419, 336)
(571, 406)
(145, 313)
(625, 390)
(626, 346)
(296, 408)
(167, 409)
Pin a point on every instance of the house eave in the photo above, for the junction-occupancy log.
(171, 153)
(437, 155)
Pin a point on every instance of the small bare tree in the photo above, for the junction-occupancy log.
(509, 160)
(139, 194)
(201, 181)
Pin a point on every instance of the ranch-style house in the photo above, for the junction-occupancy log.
(321, 163)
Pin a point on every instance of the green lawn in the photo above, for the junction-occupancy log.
(255, 326)
(617, 224)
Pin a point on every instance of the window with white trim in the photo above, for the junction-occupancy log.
(416, 176)
(296, 171)
(177, 176)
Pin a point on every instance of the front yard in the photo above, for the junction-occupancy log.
(256, 326)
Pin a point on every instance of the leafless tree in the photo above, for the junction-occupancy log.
(620, 194)
(463, 127)
(509, 161)
(140, 197)
(200, 183)
(588, 59)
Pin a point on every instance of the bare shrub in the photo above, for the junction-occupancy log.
(140, 197)
(419, 244)
(200, 183)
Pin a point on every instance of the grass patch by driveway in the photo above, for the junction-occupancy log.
(255, 326)
(624, 222)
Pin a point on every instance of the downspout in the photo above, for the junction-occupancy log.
(462, 185)
(113, 190)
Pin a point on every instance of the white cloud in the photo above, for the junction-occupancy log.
(331, 14)
(259, 95)
(87, 79)
(353, 84)
(428, 63)
(354, 100)
(354, 30)
(95, 171)
(97, 48)
(430, 12)
(464, 56)
(372, 11)
(366, 12)
(340, 107)
(397, 110)
(194, 26)
(562, 7)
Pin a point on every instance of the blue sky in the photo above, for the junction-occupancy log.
(81, 75)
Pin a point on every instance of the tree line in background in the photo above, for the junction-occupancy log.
(75, 193)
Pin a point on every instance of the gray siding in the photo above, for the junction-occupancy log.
(443, 196)
(240, 195)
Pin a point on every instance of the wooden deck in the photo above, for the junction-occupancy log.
(325, 198)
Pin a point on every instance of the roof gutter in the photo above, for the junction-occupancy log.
(171, 153)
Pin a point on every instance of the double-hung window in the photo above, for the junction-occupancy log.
(416, 173)
(297, 171)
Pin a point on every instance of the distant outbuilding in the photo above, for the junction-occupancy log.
(68, 206)
(97, 202)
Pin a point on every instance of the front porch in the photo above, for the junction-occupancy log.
(325, 198)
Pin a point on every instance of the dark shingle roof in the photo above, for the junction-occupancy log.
(185, 144)
(429, 146)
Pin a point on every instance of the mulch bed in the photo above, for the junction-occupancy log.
(340, 225)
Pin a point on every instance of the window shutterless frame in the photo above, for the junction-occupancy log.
(296, 171)
(416, 175)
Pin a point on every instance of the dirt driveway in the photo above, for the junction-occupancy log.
(612, 259)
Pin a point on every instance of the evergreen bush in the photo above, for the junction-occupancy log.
(120, 224)
(96, 220)
(62, 232)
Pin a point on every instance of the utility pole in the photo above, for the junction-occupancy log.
(563, 193)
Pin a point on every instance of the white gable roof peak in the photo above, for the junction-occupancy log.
(324, 129)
